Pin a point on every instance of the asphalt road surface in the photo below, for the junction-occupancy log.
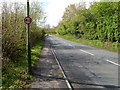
(86, 66)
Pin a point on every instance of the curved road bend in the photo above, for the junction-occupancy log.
(86, 66)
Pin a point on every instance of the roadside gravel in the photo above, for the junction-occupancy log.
(47, 73)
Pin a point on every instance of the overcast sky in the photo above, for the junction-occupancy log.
(55, 8)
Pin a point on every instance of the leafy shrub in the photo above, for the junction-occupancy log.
(14, 43)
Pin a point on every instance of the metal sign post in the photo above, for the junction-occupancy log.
(29, 48)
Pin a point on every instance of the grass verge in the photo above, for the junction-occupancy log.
(16, 75)
(96, 43)
(36, 51)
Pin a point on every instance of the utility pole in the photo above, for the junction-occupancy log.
(29, 48)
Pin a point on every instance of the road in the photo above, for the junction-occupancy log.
(86, 66)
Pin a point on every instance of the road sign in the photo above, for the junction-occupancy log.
(27, 20)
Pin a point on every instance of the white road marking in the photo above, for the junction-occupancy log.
(68, 83)
(51, 38)
(69, 44)
(112, 62)
(86, 52)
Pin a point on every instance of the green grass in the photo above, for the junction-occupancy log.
(36, 51)
(16, 75)
(96, 43)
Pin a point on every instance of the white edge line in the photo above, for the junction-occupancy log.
(69, 86)
(87, 52)
(112, 62)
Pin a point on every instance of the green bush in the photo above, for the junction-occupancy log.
(98, 22)
(14, 42)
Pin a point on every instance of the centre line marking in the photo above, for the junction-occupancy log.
(51, 38)
(86, 52)
(69, 44)
(112, 62)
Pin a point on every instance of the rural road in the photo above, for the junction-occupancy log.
(86, 66)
